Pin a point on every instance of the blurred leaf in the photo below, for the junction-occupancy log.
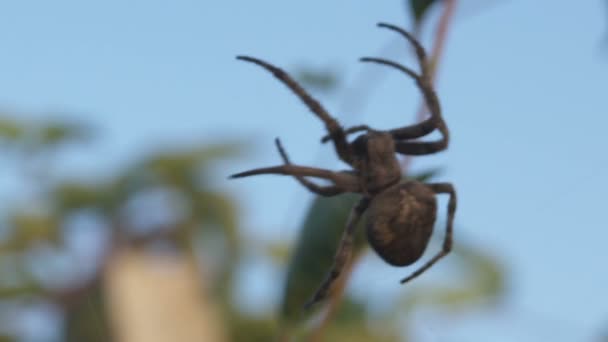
(483, 282)
(71, 195)
(54, 133)
(313, 254)
(86, 318)
(279, 252)
(419, 8)
(30, 228)
(24, 290)
(425, 175)
(351, 312)
(216, 213)
(181, 168)
(323, 80)
(7, 338)
(359, 331)
(218, 209)
(245, 329)
(11, 129)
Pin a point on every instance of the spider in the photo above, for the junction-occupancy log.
(400, 214)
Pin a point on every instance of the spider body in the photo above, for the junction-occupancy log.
(374, 155)
(400, 215)
(400, 222)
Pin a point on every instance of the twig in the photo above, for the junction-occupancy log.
(334, 300)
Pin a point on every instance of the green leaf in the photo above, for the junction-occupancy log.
(32, 227)
(245, 329)
(11, 129)
(323, 80)
(54, 133)
(72, 195)
(359, 331)
(278, 252)
(419, 8)
(313, 254)
(86, 319)
(27, 289)
(219, 210)
(181, 168)
(425, 175)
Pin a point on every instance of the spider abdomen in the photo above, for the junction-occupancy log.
(400, 222)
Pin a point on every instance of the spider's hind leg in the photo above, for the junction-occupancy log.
(343, 254)
(440, 188)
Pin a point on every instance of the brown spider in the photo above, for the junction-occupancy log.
(400, 215)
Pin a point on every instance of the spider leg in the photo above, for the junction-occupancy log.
(424, 127)
(343, 254)
(333, 127)
(440, 188)
(330, 190)
(425, 84)
(346, 182)
(420, 148)
(348, 131)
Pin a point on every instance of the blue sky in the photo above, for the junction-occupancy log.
(523, 88)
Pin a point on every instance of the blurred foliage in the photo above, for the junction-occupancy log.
(86, 318)
(419, 8)
(36, 136)
(10, 130)
(313, 254)
(245, 329)
(483, 282)
(322, 80)
(190, 207)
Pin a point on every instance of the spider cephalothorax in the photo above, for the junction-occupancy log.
(400, 214)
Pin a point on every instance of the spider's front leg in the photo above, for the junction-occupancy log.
(329, 190)
(425, 84)
(336, 132)
(343, 254)
(344, 182)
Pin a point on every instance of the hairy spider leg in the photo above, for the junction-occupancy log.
(420, 52)
(424, 83)
(348, 131)
(424, 127)
(440, 188)
(344, 181)
(344, 252)
(333, 127)
(330, 190)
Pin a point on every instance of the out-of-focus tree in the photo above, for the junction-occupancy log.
(163, 207)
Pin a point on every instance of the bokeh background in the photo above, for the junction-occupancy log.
(120, 122)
